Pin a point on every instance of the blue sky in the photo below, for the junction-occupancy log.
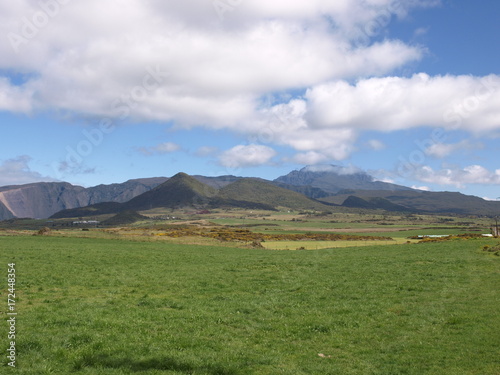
(408, 91)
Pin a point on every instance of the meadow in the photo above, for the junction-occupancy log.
(114, 306)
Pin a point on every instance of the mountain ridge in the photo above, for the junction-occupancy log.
(332, 179)
(43, 199)
(309, 187)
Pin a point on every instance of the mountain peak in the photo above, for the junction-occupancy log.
(333, 178)
(178, 191)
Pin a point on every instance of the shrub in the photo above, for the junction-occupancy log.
(45, 231)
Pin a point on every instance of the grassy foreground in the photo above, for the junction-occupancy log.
(97, 306)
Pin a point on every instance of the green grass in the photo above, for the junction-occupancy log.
(96, 306)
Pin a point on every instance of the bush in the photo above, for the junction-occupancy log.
(492, 249)
(45, 231)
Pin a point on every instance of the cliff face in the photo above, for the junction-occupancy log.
(41, 200)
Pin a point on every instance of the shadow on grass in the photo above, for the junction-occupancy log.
(166, 363)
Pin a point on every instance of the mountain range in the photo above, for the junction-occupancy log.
(317, 188)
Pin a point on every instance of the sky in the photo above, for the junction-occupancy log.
(96, 92)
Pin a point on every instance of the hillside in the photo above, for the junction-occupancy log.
(308, 188)
(217, 182)
(179, 191)
(374, 203)
(422, 201)
(43, 199)
(262, 191)
(93, 210)
(124, 218)
(184, 191)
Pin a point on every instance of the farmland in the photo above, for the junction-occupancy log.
(138, 300)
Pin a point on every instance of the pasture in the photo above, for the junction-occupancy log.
(114, 306)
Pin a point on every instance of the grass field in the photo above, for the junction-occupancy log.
(318, 245)
(107, 306)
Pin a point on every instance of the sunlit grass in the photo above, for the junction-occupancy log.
(100, 306)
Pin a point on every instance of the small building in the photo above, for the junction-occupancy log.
(433, 235)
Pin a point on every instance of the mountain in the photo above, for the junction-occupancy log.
(43, 199)
(308, 188)
(418, 201)
(184, 191)
(179, 191)
(123, 192)
(5, 213)
(217, 182)
(332, 179)
(374, 203)
(40, 200)
(264, 192)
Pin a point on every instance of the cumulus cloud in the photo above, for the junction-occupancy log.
(246, 156)
(14, 99)
(82, 60)
(183, 63)
(395, 103)
(17, 171)
(458, 177)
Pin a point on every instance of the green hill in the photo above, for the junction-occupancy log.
(374, 203)
(419, 201)
(93, 210)
(263, 192)
(179, 191)
(124, 218)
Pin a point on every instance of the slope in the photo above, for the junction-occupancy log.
(43, 199)
(425, 201)
(124, 218)
(264, 192)
(179, 191)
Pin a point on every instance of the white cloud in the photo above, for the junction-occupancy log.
(13, 98)
(246, 156)
(441, 150)
(423, 188)
(213, 72)
(458, 177)
(492, 199)
(309, 158)
(82, 60)
(17, 171)
(394, 103)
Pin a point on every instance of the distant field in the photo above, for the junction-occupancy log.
(108, 306)
(316, 245)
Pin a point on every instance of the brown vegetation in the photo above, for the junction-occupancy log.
(231, 234)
